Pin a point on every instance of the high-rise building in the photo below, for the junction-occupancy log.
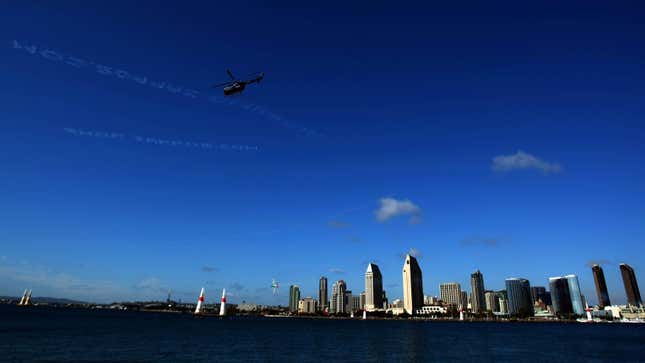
(477, 290)
(601, 286)
(356, 303)
(334, 298)
(362, 300)
(373, 288)
(294, 297)
(412, 285)
(520, 302)
(631, 285)
(339, 298)
(576, 295)
(540, 295)
(323, 298)
(307, 306)
(560, 295)
(492, 302)
(537, 292)
(348, 301)
(450, 293)
(463, 300)
(385, 302)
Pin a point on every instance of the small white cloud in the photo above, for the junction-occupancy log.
(522, 160)
(336, 270)
(412, 252)
(391, 207)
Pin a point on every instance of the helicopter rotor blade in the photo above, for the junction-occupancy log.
(230, 74)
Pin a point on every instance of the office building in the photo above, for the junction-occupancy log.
(631, 285)
(492, 302)
(477, 292)
(373, 288)
(412, 285)
(339, 298)
(307, 306)
(323, 297)
(576, 296)
(560, 296)
(463, 300)
(450, 293)
(601, 286)
(520, 302)
(294, 297)
(356, 303)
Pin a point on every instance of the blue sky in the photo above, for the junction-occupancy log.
(497, 137)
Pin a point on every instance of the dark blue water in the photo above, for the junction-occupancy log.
(43, 334)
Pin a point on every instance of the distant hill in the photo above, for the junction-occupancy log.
(44, 299)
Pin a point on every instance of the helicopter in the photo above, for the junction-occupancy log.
(237, 86)
(275, 286)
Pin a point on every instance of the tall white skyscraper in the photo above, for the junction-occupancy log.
(373, 288)
(412, 285)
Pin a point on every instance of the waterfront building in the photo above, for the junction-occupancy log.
(450, 293)
(363, 298)
(373, 288)
(503, 305)
(323, 298)
(520, 302)
(560, 295)
(397, 303)
(356, 303)
(576, 296)
(601, 286)
(334, 298)
(340, 297)
(412, 285)
(492, 302)
(430, 300)
(478, 301)
(541, 297)
(432, 310)
(463, 300)
(348, 301)
(384, 300)
(294, 297)
(631, 285)
(307, 306)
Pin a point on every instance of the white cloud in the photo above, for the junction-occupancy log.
(522, 160)
(412, 252)
(391, 207)
(336, 270)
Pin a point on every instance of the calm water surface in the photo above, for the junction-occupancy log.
(44, 334)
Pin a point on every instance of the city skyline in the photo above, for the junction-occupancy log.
(463, 136)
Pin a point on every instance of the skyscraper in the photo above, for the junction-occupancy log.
(323, 298)
(450, 293)
(334, 298)
(339, 298)
(373, 288)
(601, 286)
(520, 302)
(631, 286)
(463, 300)
(575, 294)
(560, 296)
(412, 285)
(477, 290)
(492, 303)
(294, 298)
